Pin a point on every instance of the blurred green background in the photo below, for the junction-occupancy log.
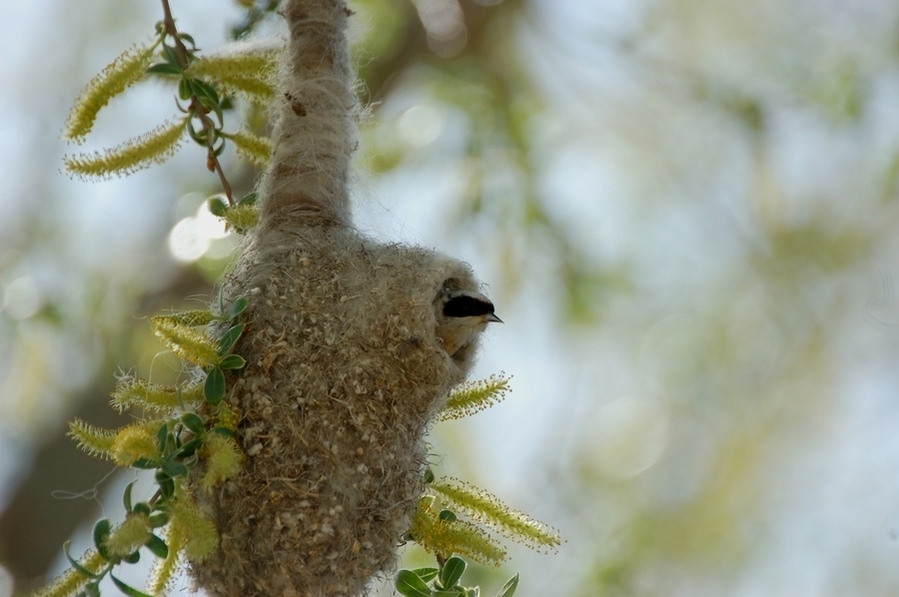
(685, 212)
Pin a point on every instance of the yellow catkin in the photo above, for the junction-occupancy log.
(135, 154)
(254, 148)
(130, 535)
(164, 569)
(242, 217)
(247, 73)
(200, 536)
(138, 392)
(471, 398)
(125, 71)
(193, 317)
(135, 442)
(222, 458)
(190, 344)
(488, 509)
(227, 416)
(72, 581)
(446, 537)
(93, 440)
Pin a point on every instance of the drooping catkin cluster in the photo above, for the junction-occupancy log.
(344, 370)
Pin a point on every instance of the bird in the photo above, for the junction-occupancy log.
(461, 316)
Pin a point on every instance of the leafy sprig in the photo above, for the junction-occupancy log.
(193, 430)
(438, 528)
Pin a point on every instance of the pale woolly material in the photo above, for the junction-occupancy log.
(345, 373)
(344, 369)
(316, 129)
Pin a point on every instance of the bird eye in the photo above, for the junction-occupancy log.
(467, 306)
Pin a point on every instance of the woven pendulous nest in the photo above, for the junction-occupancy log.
(344, 372)
(344, 368)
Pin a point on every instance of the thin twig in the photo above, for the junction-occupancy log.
(196, 107)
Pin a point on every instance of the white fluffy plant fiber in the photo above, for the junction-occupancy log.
(344, 368)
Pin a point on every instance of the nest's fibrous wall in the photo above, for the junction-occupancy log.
(344, 372)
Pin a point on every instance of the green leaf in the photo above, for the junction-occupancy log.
(164, 68)
(162, 437)
(144, 463)
(240, 305)
(198, 136)
(410, 585)
(218, 207)
(101, 533)
(214, 388)
(188, 38)
(184, 90)
(166, 484)
(230, 338)
(74, 563)
(174, 469)
(193, 421)
(158, 547)
(233, 361)
(451, 572)
(248, 199)
(426, 574)
(428, 476)
(190, 448)
(132, 558)
(127, 496)
(223, 431)
(142, 508)
(447, 516)
(509, 588)
(159, 519)
(205, 93)
(171, 54)
(128, 589)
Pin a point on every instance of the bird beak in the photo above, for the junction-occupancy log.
(490, 317)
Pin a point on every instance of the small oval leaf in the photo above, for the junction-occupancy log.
(159, 519)
(190, 448)
(451, 572)
(410, 585)
(132, 558)
(158, 547)
(426, 574)
(127, 497)
(173, 468)
(509, 588)
(142, 508)
(101, 533)
(240, 305)
(218, 207)
(214, 388)
(230, 338)
(233, 361)
(193, 421)
(166, 484)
